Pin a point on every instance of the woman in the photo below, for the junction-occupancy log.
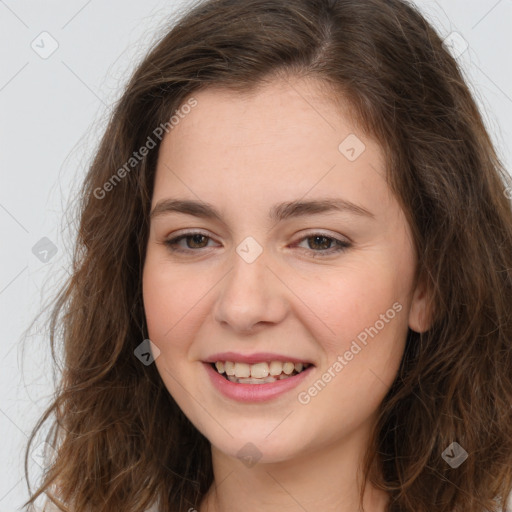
(293, 276)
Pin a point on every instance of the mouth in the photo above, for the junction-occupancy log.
(263, 372)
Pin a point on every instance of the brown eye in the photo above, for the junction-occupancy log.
(320, 244)
(197, 240)
(193, 241)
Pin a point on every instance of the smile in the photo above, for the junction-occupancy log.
(258, 373)
(265, 380)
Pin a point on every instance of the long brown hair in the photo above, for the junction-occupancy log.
(121, 440)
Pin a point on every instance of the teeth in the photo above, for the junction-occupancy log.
(229, 366)
(288, 368)
(258, 371)
(242, 370)
(251, 380)
(263, 372)
(276, 368)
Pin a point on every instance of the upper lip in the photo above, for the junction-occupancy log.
(253, 358)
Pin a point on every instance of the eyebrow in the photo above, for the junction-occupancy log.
(278, 212)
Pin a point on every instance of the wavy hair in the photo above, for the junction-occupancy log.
(110, 413)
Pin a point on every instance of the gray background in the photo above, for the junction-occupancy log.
(53, 110)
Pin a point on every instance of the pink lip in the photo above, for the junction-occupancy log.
(252, 358)
(254, 392)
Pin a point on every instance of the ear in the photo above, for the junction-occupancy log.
(420, 312)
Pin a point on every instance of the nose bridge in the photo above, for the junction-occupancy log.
(250, 293)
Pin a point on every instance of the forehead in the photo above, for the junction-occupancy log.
(286, 136)
(281, 114)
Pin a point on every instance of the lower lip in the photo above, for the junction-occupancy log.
(255, 392)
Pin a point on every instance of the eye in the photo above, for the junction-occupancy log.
(327, 245)
(319, 244)
(196, 238)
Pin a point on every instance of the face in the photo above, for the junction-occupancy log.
(268, 279)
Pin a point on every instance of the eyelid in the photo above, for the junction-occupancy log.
(309, 232)
(189, 231)
(326, 233)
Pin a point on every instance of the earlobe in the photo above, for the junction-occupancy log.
(420, 313)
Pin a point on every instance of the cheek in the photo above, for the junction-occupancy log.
(158, 303)
(167, 299)
(167, 306)
(362, 331)
(375, 295)
(352, 300)
(371, 324)
(361, 359)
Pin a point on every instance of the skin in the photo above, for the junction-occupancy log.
(243, 154)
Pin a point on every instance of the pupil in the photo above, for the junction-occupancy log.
(315, 238)
(195, 238)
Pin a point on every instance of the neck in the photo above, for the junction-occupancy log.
(327, 478)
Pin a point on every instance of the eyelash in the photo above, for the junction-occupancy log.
(341, 245)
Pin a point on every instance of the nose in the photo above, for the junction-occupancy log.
(251, 296)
